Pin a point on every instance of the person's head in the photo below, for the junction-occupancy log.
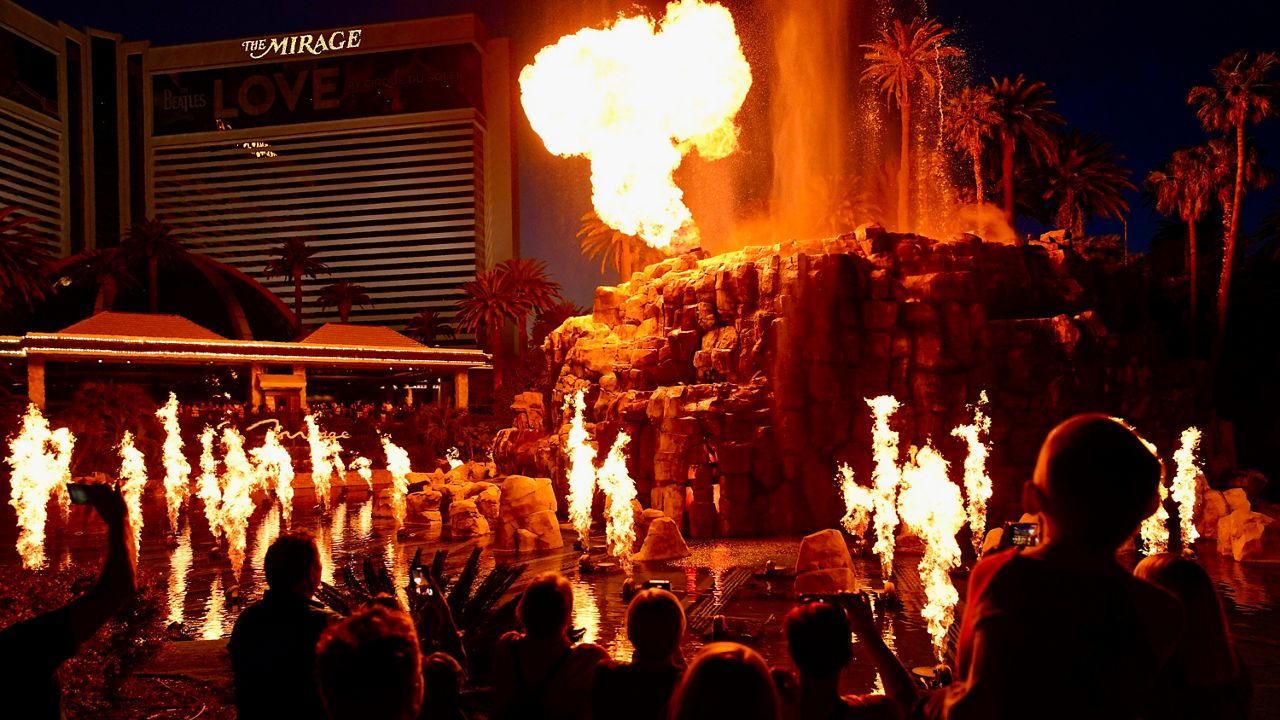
(819, 638)
(1095, 481)
(369, 667)
(726, 680)
(443, 677)
(292, 564)
(655, 624)
(546, 607)
(1206, 650)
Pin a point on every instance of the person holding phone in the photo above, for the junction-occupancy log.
(32, 650)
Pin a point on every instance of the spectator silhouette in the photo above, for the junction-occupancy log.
(655, 626)
(1206, 678)
(726, 680)
(820, 643)
(541, 673)
(1061, 630)
(369, 667)
(443, 677)
(31, 651)
(273, 644)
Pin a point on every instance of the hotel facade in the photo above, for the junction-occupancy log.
(388, 148)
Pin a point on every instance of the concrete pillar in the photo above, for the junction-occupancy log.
(461, 390)
(300, 372)
(256, 400)
(35, 381)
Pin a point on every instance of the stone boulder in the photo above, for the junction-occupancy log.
(1237, 500)
(663, 541)
(1249, 536)
(423, 506)
(1213, 507)
(488, 498)
(527, 504)
(465, 520)
(824, 566)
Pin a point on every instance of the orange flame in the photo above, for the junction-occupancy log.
(619, 492)
(1155, 529)
(209, 484)
(398, 465)
(977, 483)
(326, 460)
(582, 472)
(364, 469)
(133, 481)
(886, 477)
(40, 461)
(453, 457)
(634, 98)
(177, 471)
(931, 508)
(858, 502)
(238, 482)
(273, 462)
(1184, 485)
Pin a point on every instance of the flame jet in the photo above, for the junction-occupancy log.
(40, 464)
(1184, 485)
(977, 483)
(619, 491)
(273, 462)
(177, 471)
(239, 480)
(634, 98)
(582, 472)
(886, 478)
(858, 502)
(398, 465)
(931, 507)
(133, 481)
(209, 484)
(364, 468)
(326, 460)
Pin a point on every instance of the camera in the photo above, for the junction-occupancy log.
(657, 585)
(1021, 535)
(80, 493)
(418, 576)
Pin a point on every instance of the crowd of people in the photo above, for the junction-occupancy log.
(1060, 630)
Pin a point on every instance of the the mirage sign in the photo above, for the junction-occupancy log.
(304, 44)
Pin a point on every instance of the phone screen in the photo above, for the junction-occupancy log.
(1025, 534)
(79, 493)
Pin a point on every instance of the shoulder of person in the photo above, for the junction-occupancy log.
(869, 707)
(591, 651)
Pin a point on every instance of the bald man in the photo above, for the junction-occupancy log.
(1062, 630)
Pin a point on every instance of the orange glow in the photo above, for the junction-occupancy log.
(273, 463)
(634, 98)
(886, 477)
(177, 471)
(1184, 485)
(858, 502)
(238, 482)
(977, 483)
(40, 464)
(209, 484)
(582, 472)
(133, 481)
(364, 469)
(619, 492)
(931, 507)
(326, 460)
(398, 465)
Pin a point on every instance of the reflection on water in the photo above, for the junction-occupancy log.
(215, 621)
(586, 613)
(179, 566)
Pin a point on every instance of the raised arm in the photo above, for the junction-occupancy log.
(898, 685)
(117, 582)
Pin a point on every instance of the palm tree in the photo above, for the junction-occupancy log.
(1085, 178)
(1243, 92)
(111, 271)
(152, 242)
(491, 301)
(628, 252)
(905, 57)
(1026, 120)
(1183, 189)
(23, 259)
(969, 122)
(427, 326)
(342, 295)
(293, 259)
(528, 278)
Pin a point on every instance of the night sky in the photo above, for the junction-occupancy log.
(1121, 68)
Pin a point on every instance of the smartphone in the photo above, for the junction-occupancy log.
(1024, 535)
(80, 493)
(419, 577)
(657, 585)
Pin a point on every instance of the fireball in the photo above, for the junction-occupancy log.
(238, 481)
(634, 98)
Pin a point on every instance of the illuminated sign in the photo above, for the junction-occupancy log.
(305, 44)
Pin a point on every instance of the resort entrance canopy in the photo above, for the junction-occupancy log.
(277, 371)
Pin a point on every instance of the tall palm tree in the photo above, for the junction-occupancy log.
(152, 242)
(111, 271)
(969, 122)
(1183, 188)
(1085, 178)
(903, 59)
(529, 279)
(343, 295)
(23, 259)
(427, 326)
(293, 259)
(490, 302)
(1243, 93)
(1026, 121)
(627, 252)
